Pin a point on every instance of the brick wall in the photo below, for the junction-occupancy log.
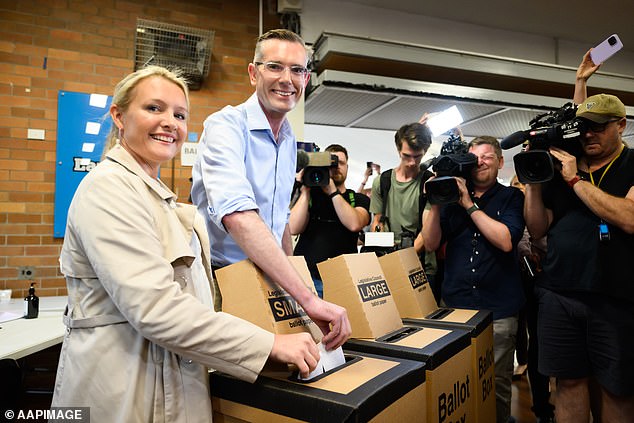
(88, 46)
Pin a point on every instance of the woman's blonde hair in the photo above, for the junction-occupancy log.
(124, 94)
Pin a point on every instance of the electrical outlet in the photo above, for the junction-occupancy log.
(26, 272)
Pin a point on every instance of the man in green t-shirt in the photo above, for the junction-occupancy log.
(399, 210)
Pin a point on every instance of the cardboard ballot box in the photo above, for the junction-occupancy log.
(249, 294)
(416, 304)
(356, 282)
(480, 329)
(368, 388)
(447, 357)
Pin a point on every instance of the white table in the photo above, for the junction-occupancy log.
(21, 337)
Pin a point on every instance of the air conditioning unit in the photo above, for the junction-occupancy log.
(174, 46)
(289, 6)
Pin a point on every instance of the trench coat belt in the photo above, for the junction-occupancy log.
(93, 321)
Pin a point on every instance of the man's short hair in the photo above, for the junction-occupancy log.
(486, 139)
(277, 34)
(336, 148)
(416, 135)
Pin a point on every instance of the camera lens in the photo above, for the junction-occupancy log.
(612, 40)
(315, 177)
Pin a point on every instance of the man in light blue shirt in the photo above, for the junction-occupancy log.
(244, 174)
(242, 167)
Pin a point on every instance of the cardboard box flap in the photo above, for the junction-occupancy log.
(249, 294)
(356, 282)
(379, 381)
(433, 349)
(408, 282)
(234, 282)
(479, 320)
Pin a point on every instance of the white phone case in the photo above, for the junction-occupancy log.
(606, 49)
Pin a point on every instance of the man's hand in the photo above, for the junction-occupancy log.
(568, 163)
(465, 199)
(298, 349)
(330, 188)
(331, 319)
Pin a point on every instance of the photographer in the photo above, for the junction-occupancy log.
(482, 231)
(328, 218)
(398, 200)
(585, 292)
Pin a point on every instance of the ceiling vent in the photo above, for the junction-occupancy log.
(174, 46)
(289, 6)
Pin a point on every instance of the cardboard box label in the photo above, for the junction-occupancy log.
(452, 392)
(284, 307)
(417, 278)
(357, 282)
(370, 291)
(249, 294)
(406, 278)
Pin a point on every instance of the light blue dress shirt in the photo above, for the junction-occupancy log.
(241, 167)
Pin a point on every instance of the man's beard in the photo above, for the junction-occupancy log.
(338, 178)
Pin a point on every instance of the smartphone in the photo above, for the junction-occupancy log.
(369, 164)
(606, 49)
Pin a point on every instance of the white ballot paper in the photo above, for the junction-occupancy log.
(379, 239)
(328, 360)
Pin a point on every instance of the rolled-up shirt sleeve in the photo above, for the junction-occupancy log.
(223, 168)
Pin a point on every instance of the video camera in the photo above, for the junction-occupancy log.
(454, 160)
(316, 167)
(558, 128)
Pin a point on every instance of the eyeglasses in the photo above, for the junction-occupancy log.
(277, 68)
(598, 127)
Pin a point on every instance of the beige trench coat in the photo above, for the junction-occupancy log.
(138, 340)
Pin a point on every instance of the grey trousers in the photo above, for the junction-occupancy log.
(504, 331)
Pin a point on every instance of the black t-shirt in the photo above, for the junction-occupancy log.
(325, 236)
(577, 260)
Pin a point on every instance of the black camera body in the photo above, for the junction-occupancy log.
(559, 128)
(317, 171)
(454, 160)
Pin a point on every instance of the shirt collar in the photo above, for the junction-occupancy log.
(257, 121)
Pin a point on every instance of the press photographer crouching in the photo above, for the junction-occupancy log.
(327, 214)
(585, 291)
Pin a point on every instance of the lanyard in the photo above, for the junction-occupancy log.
(606, 169)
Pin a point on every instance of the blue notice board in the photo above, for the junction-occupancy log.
(82, 127)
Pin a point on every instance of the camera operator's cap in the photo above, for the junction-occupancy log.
(601, 108)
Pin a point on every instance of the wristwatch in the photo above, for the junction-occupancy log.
(573, 181)
(472, 209)
(334, 194)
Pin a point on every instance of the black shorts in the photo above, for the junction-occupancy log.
(587, 335)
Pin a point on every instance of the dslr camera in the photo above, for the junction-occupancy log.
(317, 169)
(454, 160)
(558, 128)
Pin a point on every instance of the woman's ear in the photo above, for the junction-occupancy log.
(117, 116)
